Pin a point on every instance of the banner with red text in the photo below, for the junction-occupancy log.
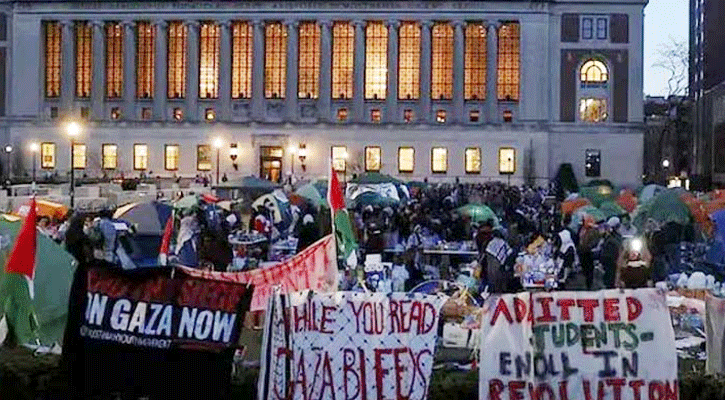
(348, 345)
(605, 345)
(313, 268)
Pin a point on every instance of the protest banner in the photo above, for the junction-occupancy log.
(605, 345)
(715, 334)
(348, 345)
(313, 268)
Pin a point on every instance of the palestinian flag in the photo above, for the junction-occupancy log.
(166, 240)
(16, 288)
(345, 239)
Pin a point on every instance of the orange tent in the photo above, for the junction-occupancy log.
(568, 207)
(44, 208)
(717, 204)
(698, 211)
(627, 200)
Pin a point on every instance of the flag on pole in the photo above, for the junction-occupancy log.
(166, 240)
(346, 244)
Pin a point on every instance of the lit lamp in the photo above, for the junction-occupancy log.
(302, 155)
(34, 148)
(292, 150)
(233, 154)
(218, 146)
(72, 130)
(666, 163)
(8, 150)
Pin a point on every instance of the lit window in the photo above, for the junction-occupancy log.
(145, 53)
(592, 163)
(79, 156)
(601, 28)
(409, 61)
(140, 157)
(203, 157)
(52, 59)
(376, 60)
(242, 53)
(439, 160)
(109, 154)
(474, 115)
(171, 157)
(342, 114)
(339, 158)
(343, 51)
(593, 73)
(587, 28)
(406, 159)
(178, 114)
(375, 115)
(442, 62)
(309, 60)
(275, 60)
(508, 61)
(373, 156)
(209, 60)
(475, 62)
(177, 60)
(47, 155)
(441, 116)
(506, 161)
(593, 110)
(84, 58)
(210, 114)
(408, 116)
(114, 60)
(473, 160)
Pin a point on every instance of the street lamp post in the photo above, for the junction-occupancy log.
(34, 149)
(8, 150)
(292, 152)
(218, 146)
(72, 129)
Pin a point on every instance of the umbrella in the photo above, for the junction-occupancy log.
(627, 200)
(375, 177)
(478, 212)
(312, 193)
(44, 208)
(569, 206)
(147, 218)
(666, 207)
(611, 209)
(649, 192)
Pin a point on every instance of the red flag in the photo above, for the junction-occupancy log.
(22, 259)
(334, 194)
(166, 240)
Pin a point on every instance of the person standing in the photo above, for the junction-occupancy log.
(588, 239)
(610, 252)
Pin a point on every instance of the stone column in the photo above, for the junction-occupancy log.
(492, 72)
(391, 102)
(129, 70)
(225, 71)
(292, 90)
(258, 105)
(160, 74)
(425, 70)
(68, 68)
(459, 72)
(358, 95)
(324, 102)
(98, 76)
(192, 70)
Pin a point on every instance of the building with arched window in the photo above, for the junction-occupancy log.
(475, 90)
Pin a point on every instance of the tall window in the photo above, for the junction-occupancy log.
(343, 51)
(376, 60)
(475, 62)
(409, 61)
(79, 156)
(309, 61)
(203, 157)
(171, 157)
(508, 61)
(114, 60)
(593, 73)
(275, 60)
(84, 57)
(473, 160)
(209, 61)
(140, 156)
(406, 159)
(52, 59)
(373, 158)
(593, 110)
(442, 61)
(146, 34)
(109, 154)
(176, 54)
(439, 160)
(339, 158)
(506, 161)
(47, 155)
(242, 52)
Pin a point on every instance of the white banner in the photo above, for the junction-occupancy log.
(606, 345)
(715, 334)
(348, 345)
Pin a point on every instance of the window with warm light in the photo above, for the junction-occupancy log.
(145, 53)
(442, 61)
(171, 157)
(508, 61)
(475, 62)
(275, 60)
(242, 53)
(209, 60)
(203, 157)
(109, 156)
(406, 159)
(373, 158)
(114, 60)
(593, 73)
(309, 60)
(441, 116)
(409, 61)
(176, 57)
(53, 34)
(474, 116)
(439, 160)
(343, 52)
(342, 114)
(84, 59)
(593, 110)
(376, 60)
(506, 161)
(47, 155)
(178, 114)
(140, 156)
(79, 156)
(473, 160)
(339, 158)
(375, 116)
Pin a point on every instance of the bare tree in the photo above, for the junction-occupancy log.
(673, 57)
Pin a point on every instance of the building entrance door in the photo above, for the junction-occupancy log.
(270, 163)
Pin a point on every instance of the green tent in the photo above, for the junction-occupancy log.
(313, 193)
(478, 213)
(597, 194)
(612, 209)
(53, 277)
(578, 217)
(667, 206)
(374, 178)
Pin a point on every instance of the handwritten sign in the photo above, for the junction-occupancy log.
(604, 345)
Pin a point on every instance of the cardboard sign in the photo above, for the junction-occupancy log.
(605, 345)
(346, 345)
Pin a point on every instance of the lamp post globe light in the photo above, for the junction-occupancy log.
(34, 148)
(73, 129)
(217, 142)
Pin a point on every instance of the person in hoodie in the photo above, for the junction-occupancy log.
(566, 254)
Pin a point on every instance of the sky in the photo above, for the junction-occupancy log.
(663, 19)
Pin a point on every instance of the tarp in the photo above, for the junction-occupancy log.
(147, 218)
(569, 206)
(478, 213)
(44, 208)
